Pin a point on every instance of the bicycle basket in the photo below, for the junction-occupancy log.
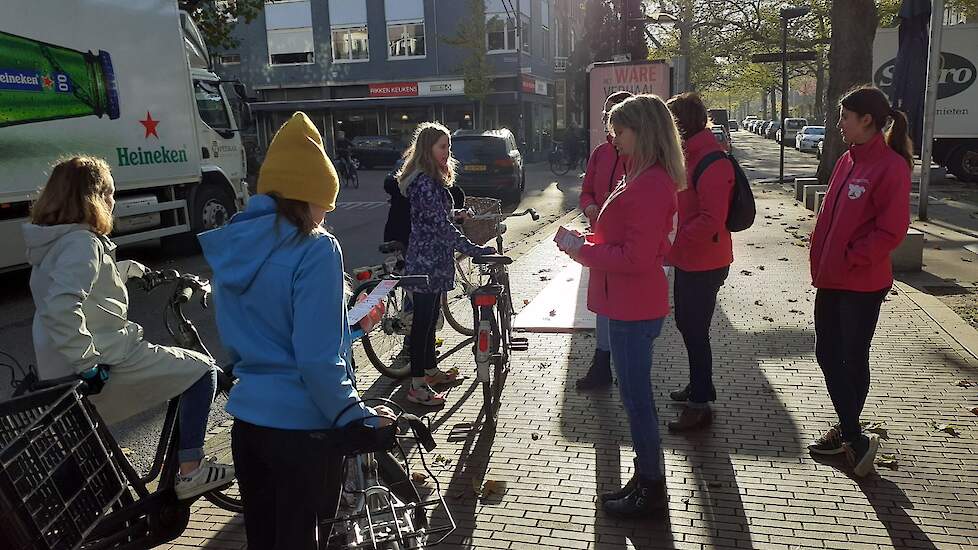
(56, 476)
(482, 231)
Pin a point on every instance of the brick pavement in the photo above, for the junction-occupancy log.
(747, 482)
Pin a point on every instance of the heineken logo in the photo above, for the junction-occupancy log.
(33, 81)
(150, 125)
(140, 156)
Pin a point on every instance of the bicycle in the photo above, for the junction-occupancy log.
(385, 344)
(347, 170)
(372, 515)
(561, 162)
(41, 429)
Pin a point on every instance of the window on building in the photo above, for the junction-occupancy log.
(229, 59)
(525, 34)
(500, 33)
(348, 26)
(288, 28)
(405, 28)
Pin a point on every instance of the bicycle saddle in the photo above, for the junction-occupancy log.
(492, 259)
(391, 247)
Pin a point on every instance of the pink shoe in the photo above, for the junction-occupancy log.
(425, 396)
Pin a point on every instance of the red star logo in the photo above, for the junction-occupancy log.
(150, 126)
(48, 83)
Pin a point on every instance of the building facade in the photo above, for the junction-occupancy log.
(379, 67)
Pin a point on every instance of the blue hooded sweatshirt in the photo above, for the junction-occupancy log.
(282, 318)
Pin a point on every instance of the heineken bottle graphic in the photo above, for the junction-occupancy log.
(40, 81)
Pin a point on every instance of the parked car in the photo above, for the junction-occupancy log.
(806, 140)
(760, 126)
(490, 163)
(771, 130)
(747, 121)
(377, 150)
(722, 138)
(791, 127)
(734, 125)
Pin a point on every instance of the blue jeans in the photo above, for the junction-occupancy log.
(631, 354)
(195, 407)
(601, 333)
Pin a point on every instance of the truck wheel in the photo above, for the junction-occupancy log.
(963, 163)
(212, 207)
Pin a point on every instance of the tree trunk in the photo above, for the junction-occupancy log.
(820, 88)
(774, 103)
(854, 25)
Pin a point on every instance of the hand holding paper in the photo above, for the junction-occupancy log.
(568, 241)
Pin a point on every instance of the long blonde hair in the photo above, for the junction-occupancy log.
(657, 139)
(418, 157)
(75, 193)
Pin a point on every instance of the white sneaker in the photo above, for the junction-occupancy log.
(208, 476)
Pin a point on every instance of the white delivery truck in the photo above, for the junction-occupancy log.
(128, 81)
(956, 121)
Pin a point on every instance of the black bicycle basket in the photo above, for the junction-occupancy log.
(57, 478)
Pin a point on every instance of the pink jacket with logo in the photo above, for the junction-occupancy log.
(605, 168)
(864, 217)
(626, 250)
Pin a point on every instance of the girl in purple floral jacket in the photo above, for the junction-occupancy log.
(427, 174)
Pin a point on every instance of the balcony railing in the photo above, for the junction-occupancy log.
(560, 64)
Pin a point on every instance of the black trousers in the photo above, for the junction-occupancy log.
(288, 482)
(423, 327)
(695, 296)
(845, 322)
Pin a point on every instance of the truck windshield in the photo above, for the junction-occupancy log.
(210, 103)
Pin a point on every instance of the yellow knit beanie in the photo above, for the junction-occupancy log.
(296, 166)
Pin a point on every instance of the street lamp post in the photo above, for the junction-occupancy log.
(787, 14)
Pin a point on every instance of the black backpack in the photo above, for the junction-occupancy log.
(742, 209)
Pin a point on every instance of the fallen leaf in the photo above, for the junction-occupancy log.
(796, 312)
(553, 312)
(488, 488)
(975, 410)
(792, 301)
(535, 436)
(760, 268)
(887, 461)
(783, 259)
(758, 303)
(127, 451)
(745, 272)
(418, 477)
(769, 319)
(946, 428)
(969, 260)
(876, 428)
(525, 301)
(965, 383)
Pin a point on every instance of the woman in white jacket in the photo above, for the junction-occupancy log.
(81, 323)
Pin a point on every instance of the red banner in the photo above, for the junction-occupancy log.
(529, 84)
(394, 89)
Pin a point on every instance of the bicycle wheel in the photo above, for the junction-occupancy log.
(219, 446)
(488, 313)
(559, 164)
(468, 278)
(385, 343)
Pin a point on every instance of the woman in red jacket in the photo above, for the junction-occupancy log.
(702, 254)
(628, 285)
(865, 216)
(605, 168)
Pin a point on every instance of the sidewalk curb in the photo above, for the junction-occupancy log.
(950, 322)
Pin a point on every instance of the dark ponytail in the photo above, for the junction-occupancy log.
(898, 136)
(870, 100)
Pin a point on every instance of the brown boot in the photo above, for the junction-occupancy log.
(692, 419)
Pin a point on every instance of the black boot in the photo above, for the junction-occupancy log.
(647, 498)
(680, 395)
(623, 492)
(599, 374)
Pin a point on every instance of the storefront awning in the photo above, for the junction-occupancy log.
(357, 103)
